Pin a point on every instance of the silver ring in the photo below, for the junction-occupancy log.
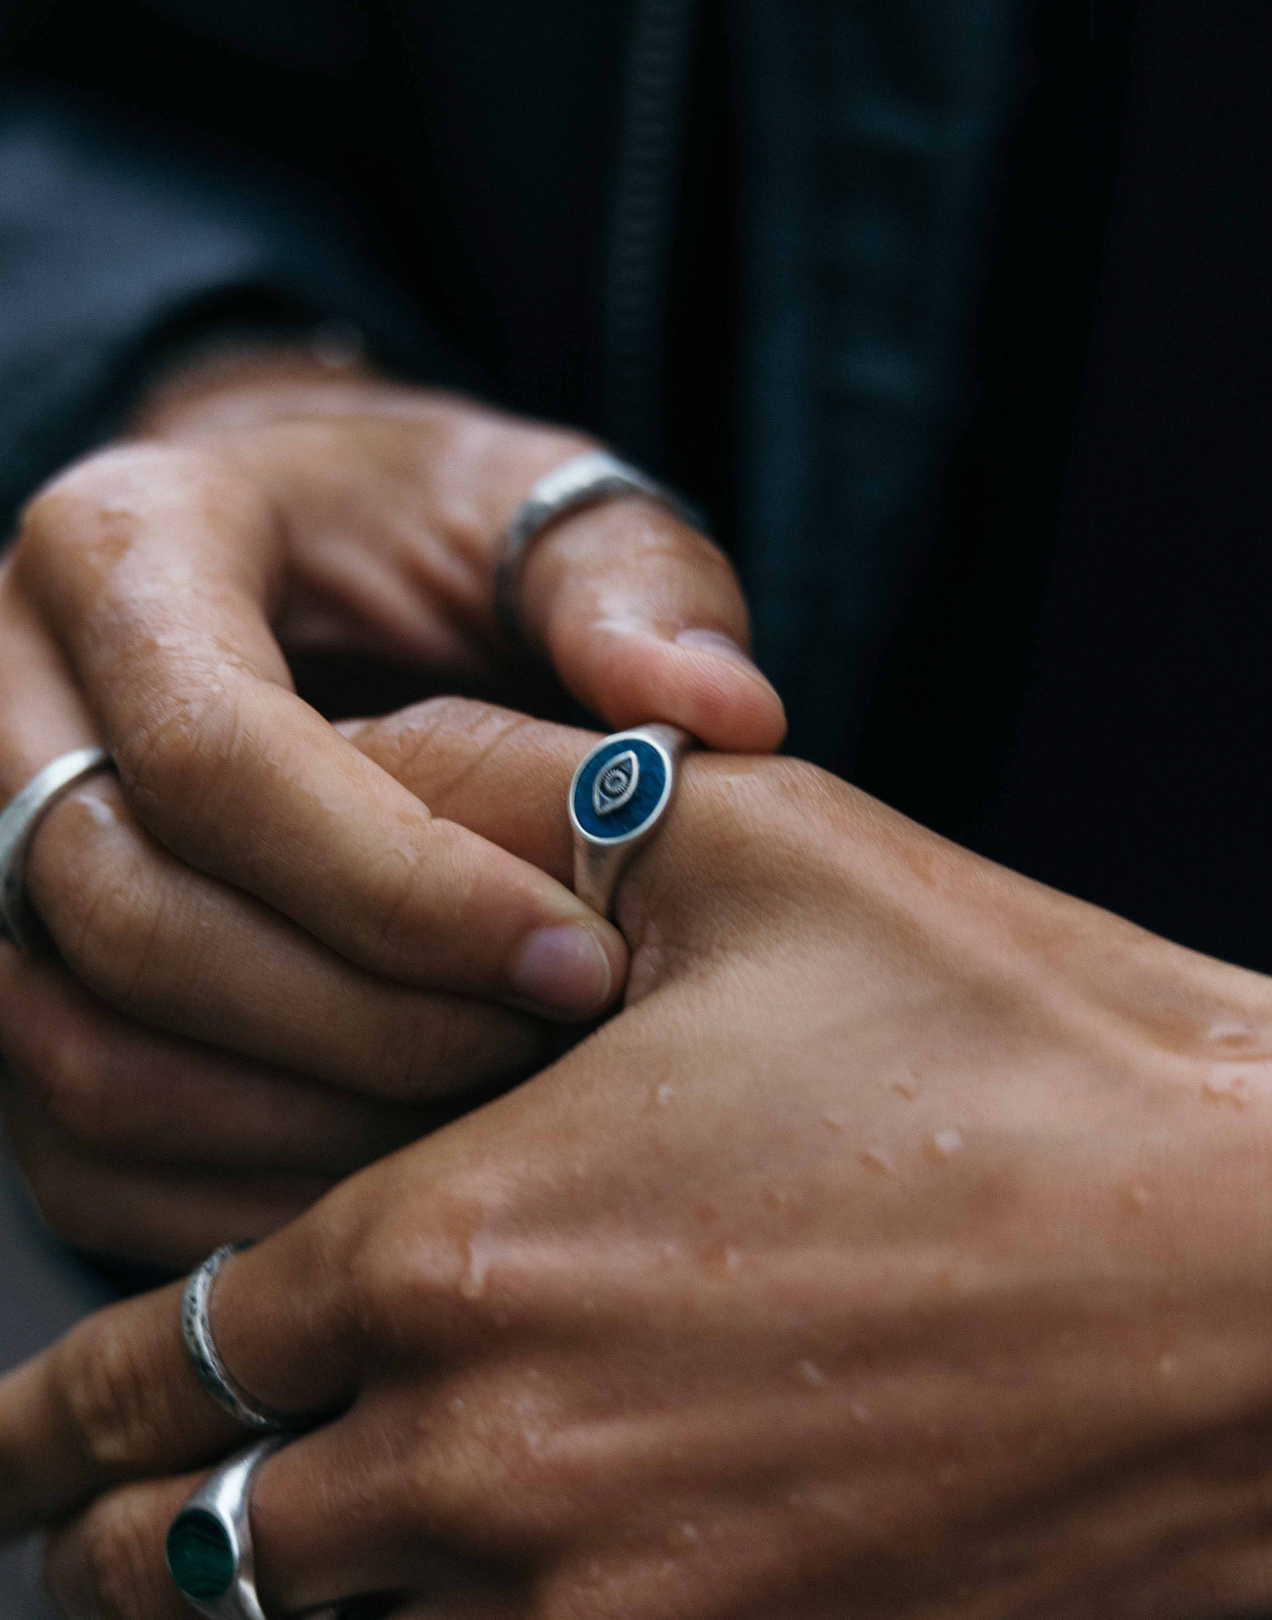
(19, 822)
(619, 796)
(209, 1545)
(209, 1369)
(577, 482)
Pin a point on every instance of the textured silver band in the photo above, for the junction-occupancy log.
(210, 1370)
(578, 482)
(19, 823)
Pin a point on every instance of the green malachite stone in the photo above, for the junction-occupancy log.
(200, 1558)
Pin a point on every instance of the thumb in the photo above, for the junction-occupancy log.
(643, 619)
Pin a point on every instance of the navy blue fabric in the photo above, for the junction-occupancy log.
(870, 137)
(115, 242)
(998, 548)
(464, 154)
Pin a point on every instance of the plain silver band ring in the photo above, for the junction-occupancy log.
(593, 476)
(205, 1358)
(19, 822)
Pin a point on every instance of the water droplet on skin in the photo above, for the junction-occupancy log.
(99, 810)
(877, 1160)
(776, 1199)
(832, 1507)
(1135, 1199)
(670, 1252)
(1229, 1032)
(808, 1372)
(684, 1535)
(723, 1258)
(860, 1411)
(832, 1122)
(906, 1089)
(456, 1404)
(1229, 1091)
(1166, 1366)
(947, 1142)
(664, 1095)
(473, 1283)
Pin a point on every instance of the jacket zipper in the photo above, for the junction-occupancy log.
(646, 194)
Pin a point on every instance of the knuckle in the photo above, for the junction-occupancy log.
(108, 934)
(81, 506)
(175, 763)
(45, 1173)
(119, 1567)
(483, 1468)
(55, 1182)
(61, 1210)
(445, 1046)
(437, 744)
(71, 1084)
(410, 1062)
(425, 1292)
(424, 904)
(110, 1398)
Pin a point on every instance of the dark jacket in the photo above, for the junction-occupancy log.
(997, 407)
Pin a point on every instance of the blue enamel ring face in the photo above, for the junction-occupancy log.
(620, 789)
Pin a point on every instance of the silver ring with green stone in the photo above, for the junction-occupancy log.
(209, 1543)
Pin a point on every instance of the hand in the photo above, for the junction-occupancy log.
(256, 914)
(902, 1247)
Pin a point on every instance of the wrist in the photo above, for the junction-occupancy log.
(239, 377)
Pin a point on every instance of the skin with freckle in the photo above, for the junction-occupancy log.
(941, 1363)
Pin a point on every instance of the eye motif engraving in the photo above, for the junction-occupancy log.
(616, 784)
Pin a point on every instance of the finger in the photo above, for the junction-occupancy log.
(173, 948)
(424, 1514)
(117, 1399)
(109, 1562)
(176, 949)
(164, 1218)
(641, 616)
(129, 1096)
(239, 778)
(643, 619)
(497, 772)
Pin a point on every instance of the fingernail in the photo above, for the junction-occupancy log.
(711, 641)
(564, 967)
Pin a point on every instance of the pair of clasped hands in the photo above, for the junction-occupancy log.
(897, 1245)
